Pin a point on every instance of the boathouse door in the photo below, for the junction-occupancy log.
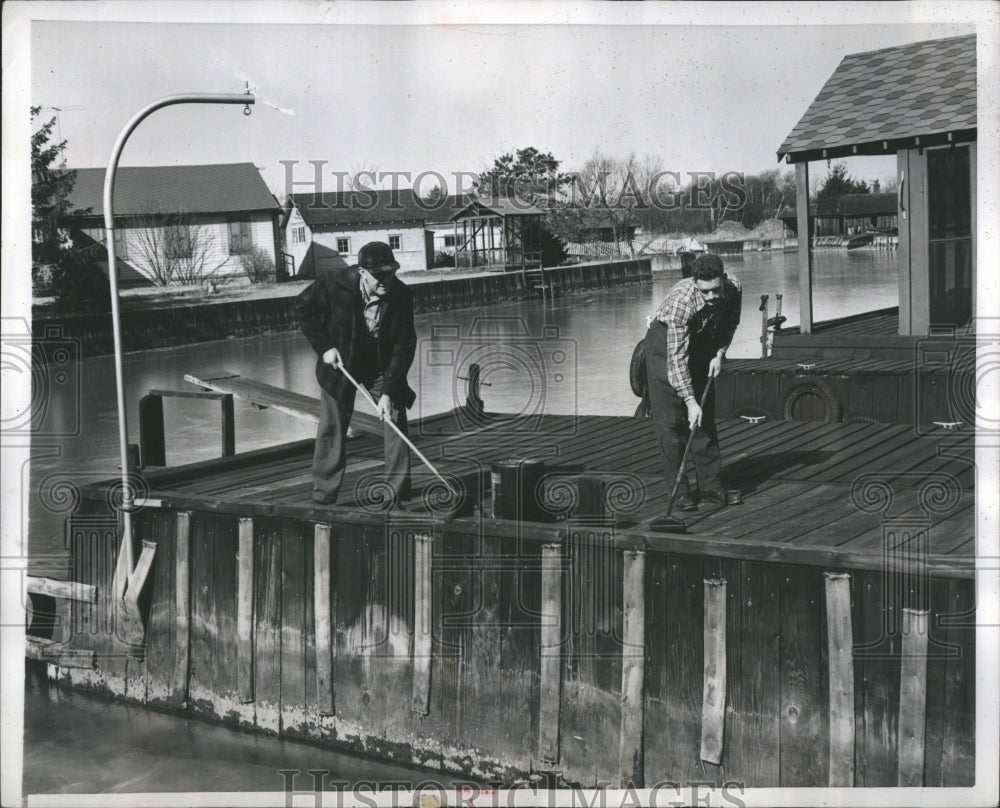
(937, 244)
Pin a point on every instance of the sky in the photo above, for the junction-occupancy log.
(451, 97)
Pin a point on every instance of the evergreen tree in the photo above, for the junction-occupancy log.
(51, 185)
(838, 182)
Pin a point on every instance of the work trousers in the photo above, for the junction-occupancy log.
(669, 414)
(330, 454)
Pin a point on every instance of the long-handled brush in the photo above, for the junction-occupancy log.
(668, 523)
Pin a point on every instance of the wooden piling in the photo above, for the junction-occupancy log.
(182, 607)
(422, 623)
(630, 750)
(323, 620)
(152, 441)
(913, 697)
(551, 654)
(713, 709)
(244, 612)
(840, 645)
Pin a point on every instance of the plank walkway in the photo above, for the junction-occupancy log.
(797, 479)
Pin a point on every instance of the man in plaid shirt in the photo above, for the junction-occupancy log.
(685, 345)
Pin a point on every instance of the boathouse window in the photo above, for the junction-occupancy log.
(121, 245)
(949, 214)
(394, 242)
(178, 241)
(239, 237)
(343, 246)
(449, 241)
(299, 235)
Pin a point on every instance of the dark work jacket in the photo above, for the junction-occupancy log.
(330, 314)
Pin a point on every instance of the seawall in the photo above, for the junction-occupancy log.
(147, 329)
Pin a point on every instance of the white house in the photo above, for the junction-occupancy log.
(325, 230)
(180, 220)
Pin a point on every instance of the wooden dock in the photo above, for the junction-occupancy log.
(586, 646)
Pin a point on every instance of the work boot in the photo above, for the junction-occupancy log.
(683, 502)
(716, 497)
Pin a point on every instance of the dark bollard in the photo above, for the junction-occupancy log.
(515, 483)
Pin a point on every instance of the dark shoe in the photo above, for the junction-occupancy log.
(683, 502)
(716, 497)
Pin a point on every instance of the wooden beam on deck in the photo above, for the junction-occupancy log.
(244, 612)
(68, 590)
(182, 607)
(550, 689)
(913, 697)
(805, 247)
(630, 748)
(713, 705)
(422, 623)
(323, 620)
(840, 647)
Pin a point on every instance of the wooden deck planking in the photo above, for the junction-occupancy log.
(785, 459)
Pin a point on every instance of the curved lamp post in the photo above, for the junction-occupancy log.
(109, 226)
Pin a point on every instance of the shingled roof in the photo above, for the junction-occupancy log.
(223, 188)
(884, 97)
(340, 208)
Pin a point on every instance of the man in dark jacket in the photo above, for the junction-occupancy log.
(360, 318)
(685, 345)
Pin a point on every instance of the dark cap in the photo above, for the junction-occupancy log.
(376, 254)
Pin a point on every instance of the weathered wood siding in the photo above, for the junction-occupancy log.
(487, 695)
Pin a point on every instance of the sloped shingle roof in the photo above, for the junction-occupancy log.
(341, 208)
(225, 188)
(925, 88)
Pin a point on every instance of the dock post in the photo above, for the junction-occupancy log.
(840, 648)
(152, 439)
(422, 623)
(630, 748)
(713, 707)
(550, 689)
(913, 697)
(805, 248)
(323, 620)
(182, 607)
(228, 426)
(244, 612)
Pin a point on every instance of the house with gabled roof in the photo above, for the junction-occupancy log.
(166, 216)
(324, 231)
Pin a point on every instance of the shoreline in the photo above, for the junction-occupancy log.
(270, 309)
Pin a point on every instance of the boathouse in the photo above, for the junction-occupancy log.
(850, 214)
(173, 222)
(918, 102)
(324, 231)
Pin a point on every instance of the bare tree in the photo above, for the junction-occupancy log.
(609, 192)
(174, 251)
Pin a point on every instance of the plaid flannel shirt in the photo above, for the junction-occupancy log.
(686, 313)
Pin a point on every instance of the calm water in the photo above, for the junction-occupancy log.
(563, 357)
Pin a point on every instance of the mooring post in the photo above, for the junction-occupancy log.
(182, 607)
(550, 689)
(630, 747)
(840, 656)
(244, 612)
(152, 441)
(422, 623)
(323, 620)
(913, 697)
(713, 707)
